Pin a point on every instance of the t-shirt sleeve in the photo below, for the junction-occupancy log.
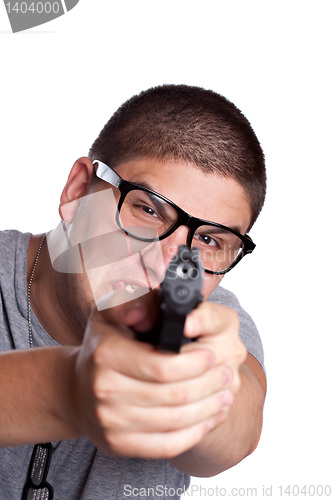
(247, 328)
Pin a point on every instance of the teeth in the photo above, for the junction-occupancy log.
(129, 288)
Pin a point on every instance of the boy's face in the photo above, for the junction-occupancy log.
(206, 196)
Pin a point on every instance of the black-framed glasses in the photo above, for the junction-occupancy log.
(141, 210)
(36, 487)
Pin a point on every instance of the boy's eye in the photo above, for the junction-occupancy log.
(148, 210)
(206, 239)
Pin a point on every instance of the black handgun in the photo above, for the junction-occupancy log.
(180, 293)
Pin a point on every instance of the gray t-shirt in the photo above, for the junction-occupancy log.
(79, 471)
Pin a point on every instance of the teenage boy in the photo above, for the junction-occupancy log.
(175, 165)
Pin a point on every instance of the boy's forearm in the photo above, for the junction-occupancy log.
(35, 395)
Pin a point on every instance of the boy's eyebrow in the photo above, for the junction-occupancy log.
(146, 186)
(143, 184)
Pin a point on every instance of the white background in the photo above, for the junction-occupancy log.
(59, 84)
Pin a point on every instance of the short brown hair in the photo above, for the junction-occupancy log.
(191, 124)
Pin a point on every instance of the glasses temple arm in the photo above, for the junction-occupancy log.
(105, 173)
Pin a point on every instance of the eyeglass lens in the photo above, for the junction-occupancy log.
(218, 247)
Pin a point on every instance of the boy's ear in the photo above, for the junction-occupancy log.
(77, 184)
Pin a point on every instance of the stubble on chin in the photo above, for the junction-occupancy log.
(76, 299)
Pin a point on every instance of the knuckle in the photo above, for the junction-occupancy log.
(105, 386)
(178, 394)
(159, 371)
(108, 419)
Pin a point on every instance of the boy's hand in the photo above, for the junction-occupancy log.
(134, 401)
